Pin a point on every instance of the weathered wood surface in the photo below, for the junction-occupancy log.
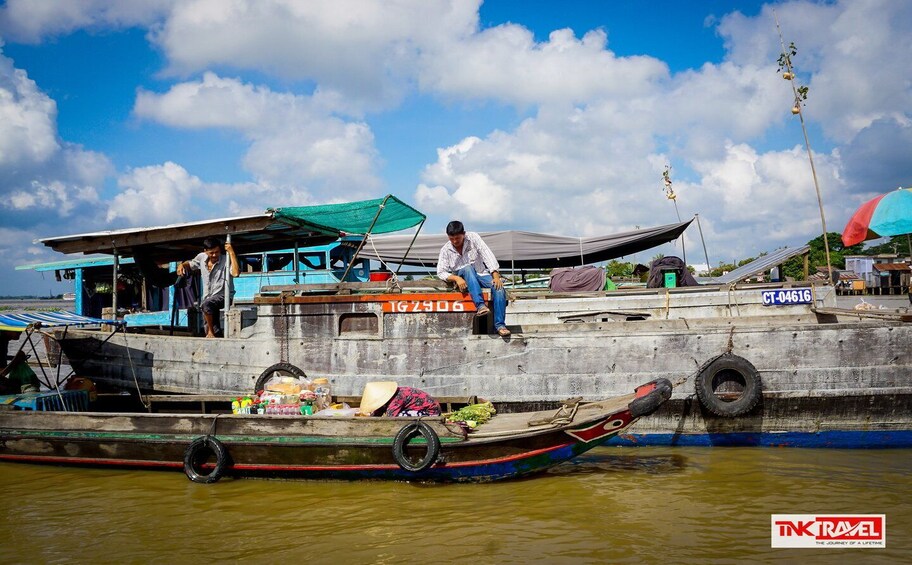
(822, 354)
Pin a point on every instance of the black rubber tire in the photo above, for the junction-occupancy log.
(648, 404)
(725, 368)
(193, 459)
(412, 430)
(277, 368)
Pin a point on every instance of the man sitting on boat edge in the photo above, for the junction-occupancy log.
(467, 261)
(211, 264)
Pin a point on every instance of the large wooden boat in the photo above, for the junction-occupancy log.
(774, 364)
(208, 446)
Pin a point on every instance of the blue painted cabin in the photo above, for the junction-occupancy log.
(145, 305)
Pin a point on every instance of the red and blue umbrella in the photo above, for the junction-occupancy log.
(886, 215)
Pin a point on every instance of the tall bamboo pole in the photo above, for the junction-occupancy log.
(796, 109)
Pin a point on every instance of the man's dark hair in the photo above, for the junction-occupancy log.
(455, 228)
(212, 243)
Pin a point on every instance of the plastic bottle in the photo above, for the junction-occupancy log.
(323, 392)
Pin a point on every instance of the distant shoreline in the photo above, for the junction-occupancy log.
(12, 304)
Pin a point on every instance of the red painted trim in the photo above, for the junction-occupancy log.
(92, 461)
(524, 455)
(256, 467)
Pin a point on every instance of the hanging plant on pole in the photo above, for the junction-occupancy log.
(800, 93)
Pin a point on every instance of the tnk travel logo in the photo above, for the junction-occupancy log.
(829, 530)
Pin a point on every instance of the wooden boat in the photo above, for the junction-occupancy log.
(208, 446)
(765, 364)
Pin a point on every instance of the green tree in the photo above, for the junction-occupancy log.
(898, 245)
(616, 268)
(722, 269)
(794, 267)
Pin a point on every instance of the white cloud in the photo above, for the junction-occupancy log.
(38, 170)
(168, 193)
(506, 63)
(296, 142)
(159, 194)
(28, 119)
(33, 20)
(364, 49)
(853, 54)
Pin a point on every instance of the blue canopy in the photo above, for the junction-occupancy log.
(18, 322)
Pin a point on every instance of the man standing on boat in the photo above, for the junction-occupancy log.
(467, 261)
(211, 263)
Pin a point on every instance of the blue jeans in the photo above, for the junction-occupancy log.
(476, 282)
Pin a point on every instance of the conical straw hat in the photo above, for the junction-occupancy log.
(375, 395)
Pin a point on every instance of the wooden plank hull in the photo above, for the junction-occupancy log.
(313, 447)
(843, 363)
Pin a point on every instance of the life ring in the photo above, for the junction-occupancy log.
(196, 455)
(713, 388)
(283, 367)
(649, 397)
(405, 435)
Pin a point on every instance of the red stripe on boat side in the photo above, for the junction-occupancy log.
(92, 461)
(525, 455)
(264, 467)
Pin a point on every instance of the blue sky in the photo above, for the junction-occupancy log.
(535, 115)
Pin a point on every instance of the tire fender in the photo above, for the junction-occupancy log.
(724, 368)
(195, 455)
(649, 397)
(282, 367)
(406, 434)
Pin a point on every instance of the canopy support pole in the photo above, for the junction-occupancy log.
(364, 239)
(227, 277)
(705, 254)
(411, 243)
(297, 263)
(114, 283)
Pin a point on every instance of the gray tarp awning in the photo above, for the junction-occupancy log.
(528, 250)
(273, 229)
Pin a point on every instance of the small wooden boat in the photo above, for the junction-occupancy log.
(209, 446)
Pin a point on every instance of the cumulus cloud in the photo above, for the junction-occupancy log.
(599, 127)
(361, 48)
(31, 21)
(297, 143)
(38, 170)
(852, 54)
(506, 63)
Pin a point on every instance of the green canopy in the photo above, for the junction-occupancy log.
(381, 215)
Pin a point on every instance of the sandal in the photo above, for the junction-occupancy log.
(503, 331)
(483, 311)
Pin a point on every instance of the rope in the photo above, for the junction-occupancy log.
(148, 406)
(212, 428)
(28, 335)
(392, 284)
(283, 344)
(731, 293)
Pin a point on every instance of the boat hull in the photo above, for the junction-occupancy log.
(320, 448)
(842, 374)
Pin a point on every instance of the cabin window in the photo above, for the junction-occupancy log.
(312, 261)
(278, 261)
(359, 323)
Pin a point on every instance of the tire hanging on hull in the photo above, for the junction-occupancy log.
(196, 455)
(406, 434)
(714, 384)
